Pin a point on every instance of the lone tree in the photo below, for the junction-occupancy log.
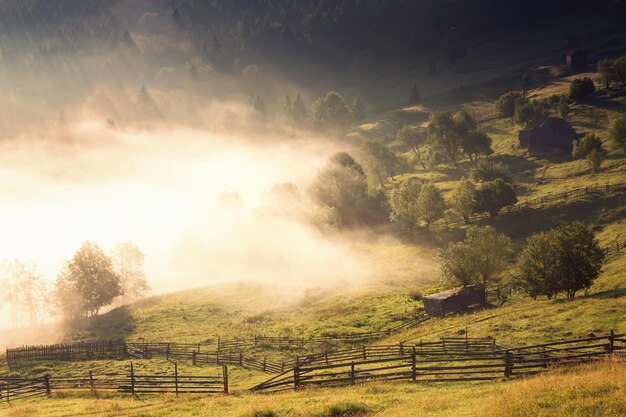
(414, 96)
(88, 282)
(590, 147)
(299, 111)
(128, 264)
(618, 132)
(403, 202)
(566, 259)
(481, 258)
(530, 114)
(413, 137)
(581, 88)
(489, 170)
(452, 47)
(443, 136)
(342, 184)
(493, 196)
(358, 109)
(476, 143)
(379, 160)
(431, 204)
(506, 104)
(463, 199)
(331, 114)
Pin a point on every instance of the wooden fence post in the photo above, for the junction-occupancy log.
(8, 392)
(413, 365)
(507, 363)
(132, 379)
(296, 377)
(364, 353)
(352, 376)
(193, 358)
(264, 363)
(401, 349)
(176, 377)
(46, 382)
(225, 377)
(611, 341)
(91, 382)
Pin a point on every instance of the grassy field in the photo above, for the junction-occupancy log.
(593, 390)
(402, 266)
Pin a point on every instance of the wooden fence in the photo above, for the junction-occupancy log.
(540, 201)
(191, 351)
(279, 342)
(447, 360)
(12, 389)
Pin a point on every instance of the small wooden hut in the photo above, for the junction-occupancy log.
(554, 135)
(453, 300)
(576, 58)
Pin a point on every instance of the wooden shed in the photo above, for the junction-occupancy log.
(554, 135)
(576, 58)
(453, 300)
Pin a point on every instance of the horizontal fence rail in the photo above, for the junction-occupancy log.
(13, 389)
(540, 201)
(279, 342)
(446, 360)
(194, 353)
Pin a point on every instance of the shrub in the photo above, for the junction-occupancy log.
(618, 133)
(590, 148)
(488, 170)
(530, 114)
(493, 196)
(347, 409)
(415, 295)
(262, 413)
(507, 103)
(581, 88)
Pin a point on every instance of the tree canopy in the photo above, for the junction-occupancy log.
(88, 282)
(566, 259)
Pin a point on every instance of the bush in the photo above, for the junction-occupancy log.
(262, 413)
(415, 295)
(581, 88)
(488, 170)
(493, 196)
(590, 148)
(530, 114)
(345, 410)
(507, 103)
(618, 133)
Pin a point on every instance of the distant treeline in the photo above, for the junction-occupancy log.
(329, 29)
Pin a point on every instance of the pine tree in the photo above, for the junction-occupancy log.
(414, 97)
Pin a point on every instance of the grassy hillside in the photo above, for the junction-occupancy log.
(593, 390)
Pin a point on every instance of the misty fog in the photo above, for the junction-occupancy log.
(160, 189)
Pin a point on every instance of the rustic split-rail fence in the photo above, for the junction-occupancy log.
(13, 389)
(447, 360)
(541, 201)
(228, 352)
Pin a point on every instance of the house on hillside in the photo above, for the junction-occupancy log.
(576, 58)
(451, 301)
(555, 135)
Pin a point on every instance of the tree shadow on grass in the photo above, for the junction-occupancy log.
(616, 293)
(523, 223)
(116, 324)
